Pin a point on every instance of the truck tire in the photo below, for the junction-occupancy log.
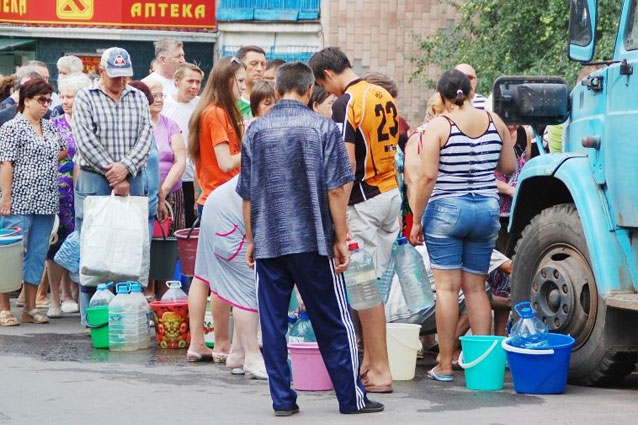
(552, 269)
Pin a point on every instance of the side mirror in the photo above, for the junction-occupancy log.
(583, 15)
(535, 101)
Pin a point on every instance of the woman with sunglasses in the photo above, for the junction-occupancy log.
(30, 148)
(215, 133)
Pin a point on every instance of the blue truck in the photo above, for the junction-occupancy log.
(574, 217)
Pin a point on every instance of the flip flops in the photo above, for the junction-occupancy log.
(377, 389)
(439, 377)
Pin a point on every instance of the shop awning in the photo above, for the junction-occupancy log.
(12, 43)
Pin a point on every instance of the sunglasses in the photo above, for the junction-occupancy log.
(44, 101)
(236, 60)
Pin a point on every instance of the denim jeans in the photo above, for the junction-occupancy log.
(36, 233)
(461, 231)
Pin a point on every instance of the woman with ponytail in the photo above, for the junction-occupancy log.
(461, 150)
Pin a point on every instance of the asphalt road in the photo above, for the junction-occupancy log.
(50, 374)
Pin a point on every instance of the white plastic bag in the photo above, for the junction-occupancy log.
(114, 241)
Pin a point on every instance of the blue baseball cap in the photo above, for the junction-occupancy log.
(117, 62)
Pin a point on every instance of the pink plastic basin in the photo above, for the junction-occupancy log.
(309, 372)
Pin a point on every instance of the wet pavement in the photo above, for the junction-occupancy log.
(51, 374)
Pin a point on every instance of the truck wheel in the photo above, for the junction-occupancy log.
(552, 270)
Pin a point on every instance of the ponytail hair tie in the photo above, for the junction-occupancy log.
(459, 91)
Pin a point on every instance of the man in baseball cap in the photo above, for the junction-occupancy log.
(117, 62)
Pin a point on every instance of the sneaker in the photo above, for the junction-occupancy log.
(70, 307)
(370, 407)
(54, 312)
(288, 412)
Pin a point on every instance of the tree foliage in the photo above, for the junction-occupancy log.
(513, 37)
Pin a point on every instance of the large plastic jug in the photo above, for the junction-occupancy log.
(413, 277)
(385, 281)
(144, 315)
(361, 279)
(102, 296)
(123, 320)
(175, 292)
(301, 330)
(528, 331)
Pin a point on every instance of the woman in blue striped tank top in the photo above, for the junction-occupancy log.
(461, 150)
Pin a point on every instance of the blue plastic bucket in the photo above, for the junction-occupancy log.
(483, 359)
(541, 371)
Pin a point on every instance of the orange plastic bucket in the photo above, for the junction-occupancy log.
(171, 324)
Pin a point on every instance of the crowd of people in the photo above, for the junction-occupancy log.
(282, 163)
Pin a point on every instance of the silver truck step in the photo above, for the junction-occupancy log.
(623, 301)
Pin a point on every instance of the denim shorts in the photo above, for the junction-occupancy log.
(36, 233)
(460, 232)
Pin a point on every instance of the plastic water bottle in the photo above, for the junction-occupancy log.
(385, 281)
(144, 316)
(102, 296)
(175, 292)
(361, 279)
(528, 331)
(301, 330)
(123, 320)
(413, 277)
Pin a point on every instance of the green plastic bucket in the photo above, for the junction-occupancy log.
(483, 359)
(98, 320)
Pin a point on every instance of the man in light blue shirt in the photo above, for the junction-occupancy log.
(294, 175)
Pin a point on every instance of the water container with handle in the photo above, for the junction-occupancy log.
(102, 296)
(174, 292)
(11, 257)
(413, 276)
(301, 330)
(361, 279)
(123, 320)
(385, 281)
(144, 316)
(529, 332)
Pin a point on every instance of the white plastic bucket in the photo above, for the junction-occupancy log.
(11, 256)
(403, 344)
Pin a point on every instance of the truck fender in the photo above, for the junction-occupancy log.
(549, 180)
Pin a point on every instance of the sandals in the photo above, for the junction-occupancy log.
(194, 356)
(220, 357)
(34, 316)
(8, 319)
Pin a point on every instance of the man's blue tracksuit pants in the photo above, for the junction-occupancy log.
(324, 295)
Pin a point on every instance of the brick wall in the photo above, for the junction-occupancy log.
(378, 36)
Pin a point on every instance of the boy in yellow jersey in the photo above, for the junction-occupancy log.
(369, 122)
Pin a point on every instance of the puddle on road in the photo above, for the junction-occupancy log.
(78, 348)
